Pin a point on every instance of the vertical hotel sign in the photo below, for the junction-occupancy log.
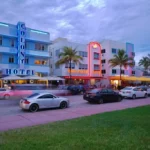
(21, 44)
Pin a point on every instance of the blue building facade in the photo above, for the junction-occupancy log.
(23, 51)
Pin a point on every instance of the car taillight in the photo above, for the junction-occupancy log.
(26, 102)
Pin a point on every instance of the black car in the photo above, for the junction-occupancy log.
(102, 95)
(76, 89)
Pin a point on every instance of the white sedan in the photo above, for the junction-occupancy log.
(133, 92)
(38, 101)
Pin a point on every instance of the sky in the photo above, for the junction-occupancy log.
(83, 21)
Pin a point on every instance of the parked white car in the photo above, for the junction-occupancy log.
(133, 92)
(146, 88)
(5, 94)
(38, 101)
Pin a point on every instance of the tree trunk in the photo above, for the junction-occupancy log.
(70, 72)
(120, 75)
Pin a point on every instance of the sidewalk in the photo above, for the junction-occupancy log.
(42, 117)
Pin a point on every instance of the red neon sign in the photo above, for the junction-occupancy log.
(93, 45)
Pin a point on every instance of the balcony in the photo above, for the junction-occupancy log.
(37, 53)
(8, 50)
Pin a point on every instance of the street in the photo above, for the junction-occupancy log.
(11, 107)
(11, 116)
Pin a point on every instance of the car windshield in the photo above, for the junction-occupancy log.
(33, 95)
(94, 91)
(127, 88)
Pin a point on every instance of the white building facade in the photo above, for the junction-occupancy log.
(89, 70)
(95, 66)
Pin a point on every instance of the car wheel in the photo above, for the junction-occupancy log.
(63, 105)
(119, 99)
(133, 96)
(6, 96)
(34, 108)
(100, 101)
(145, 95)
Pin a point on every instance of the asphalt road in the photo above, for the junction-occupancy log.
(11, 107)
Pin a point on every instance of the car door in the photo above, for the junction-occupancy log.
(141, 92)
(104, 94)
(46, 101)
(136, 92)
(112, 96)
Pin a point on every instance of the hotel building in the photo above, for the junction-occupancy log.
(95, 66)
(88, 70)
(23, 51)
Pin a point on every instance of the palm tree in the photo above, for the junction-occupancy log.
(69, 55)
(145, 62)
(121, 59)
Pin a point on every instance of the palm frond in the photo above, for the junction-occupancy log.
(69, 55)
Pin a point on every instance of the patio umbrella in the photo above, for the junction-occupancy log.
(12, 77)
(34, 78)
(54, 78)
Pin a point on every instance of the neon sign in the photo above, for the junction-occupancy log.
(18, 72)
(41, 32)
(90, 57)
(95, 46)
(3, 24)
(78, 71)
(83, 71)
(21, 44)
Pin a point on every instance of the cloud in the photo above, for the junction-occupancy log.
(86, 20)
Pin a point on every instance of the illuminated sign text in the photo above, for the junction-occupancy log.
(18, 72)
(21, 44)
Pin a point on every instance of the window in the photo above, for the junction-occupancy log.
(96, 55)
(26, 60)
(114, 50)
(67, 65)
(103, 51)
(110, 91)
(12, 43)
(133, 54)
(57, 52)
(11, 59)
(1, 40)
(83, 66)
(43, 47)
(122, 71)
(56, 66)
(113, 71)
(96, 67)
(133, 72)
(25, 44)
(39, 46)
(83, 54)
(103, 71)
(103, 61)
(40, 62)
(104, 91)
(33, 95)
(0, 58)
(46, 96)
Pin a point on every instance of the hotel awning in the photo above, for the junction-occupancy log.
(54, 78)
(34, 78)
(130, 78)
(12, 77)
